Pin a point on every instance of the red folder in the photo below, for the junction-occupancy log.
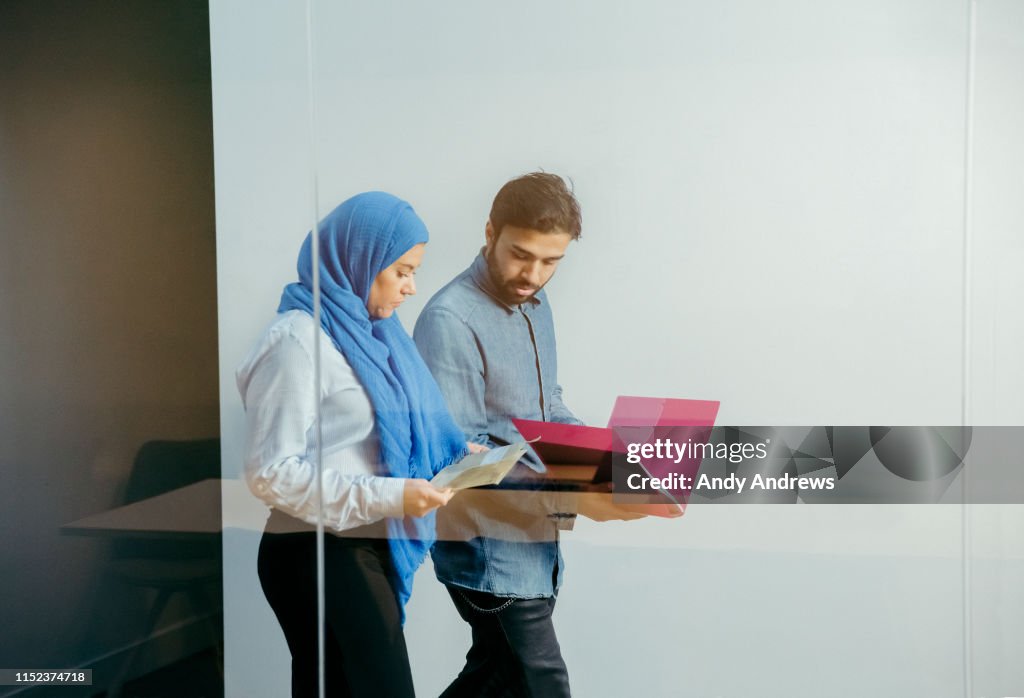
(558, 445)
(568, 444)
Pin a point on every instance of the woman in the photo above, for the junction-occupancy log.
(384, 430)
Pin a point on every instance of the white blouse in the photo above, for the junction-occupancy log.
(277, 388)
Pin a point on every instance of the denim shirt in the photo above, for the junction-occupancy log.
(494, 362)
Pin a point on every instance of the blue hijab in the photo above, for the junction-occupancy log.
(357, 240)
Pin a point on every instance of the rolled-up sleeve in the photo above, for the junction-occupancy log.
(559, 411)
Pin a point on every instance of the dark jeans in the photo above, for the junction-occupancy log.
(365, 652)
(515, 652)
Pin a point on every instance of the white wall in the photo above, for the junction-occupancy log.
(773, 198)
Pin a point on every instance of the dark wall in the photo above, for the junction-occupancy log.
(108, 324)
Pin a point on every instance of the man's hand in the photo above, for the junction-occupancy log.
(598, 506)
(476, 448)
(421, 498)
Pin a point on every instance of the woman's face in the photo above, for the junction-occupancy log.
(395, 283)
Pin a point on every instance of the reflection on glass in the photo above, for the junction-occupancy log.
(109, 409)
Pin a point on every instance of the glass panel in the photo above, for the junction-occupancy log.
(265, 210)
(772, 197)
(995, 565)
(109, 407)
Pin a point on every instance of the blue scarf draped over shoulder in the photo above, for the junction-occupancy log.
(359, 239)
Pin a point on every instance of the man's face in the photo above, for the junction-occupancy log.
(521, 261)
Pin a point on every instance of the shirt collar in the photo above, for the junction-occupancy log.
(481, 276)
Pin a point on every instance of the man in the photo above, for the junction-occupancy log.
(488, 338)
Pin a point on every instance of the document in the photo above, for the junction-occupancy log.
(480, 469)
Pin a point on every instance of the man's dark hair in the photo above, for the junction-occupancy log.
(537, 201)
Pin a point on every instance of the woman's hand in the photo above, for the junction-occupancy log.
(476, 448)
(421, 498)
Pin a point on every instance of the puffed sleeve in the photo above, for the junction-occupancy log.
(278, 391)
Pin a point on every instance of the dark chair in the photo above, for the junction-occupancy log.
(189, 564)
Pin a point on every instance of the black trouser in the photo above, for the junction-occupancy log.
(514, 653)
(364, 652)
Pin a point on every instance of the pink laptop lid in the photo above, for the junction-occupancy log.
(645, 419)
(662, 411)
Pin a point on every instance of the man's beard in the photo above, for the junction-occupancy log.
(506, 289)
